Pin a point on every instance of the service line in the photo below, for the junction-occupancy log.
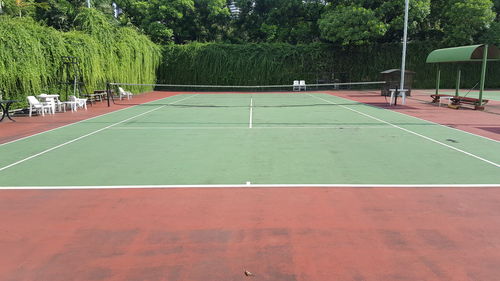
(251, 114)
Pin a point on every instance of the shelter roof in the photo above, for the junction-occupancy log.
(472, 53)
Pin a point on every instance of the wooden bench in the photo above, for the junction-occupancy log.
(457, 101)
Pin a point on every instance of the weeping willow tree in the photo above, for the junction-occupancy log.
(125, 55)
(31, 58)
(240, 64)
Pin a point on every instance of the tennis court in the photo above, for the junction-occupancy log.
(207, 139)
(265, 186)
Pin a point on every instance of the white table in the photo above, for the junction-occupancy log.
(395, 92)
(52, 100)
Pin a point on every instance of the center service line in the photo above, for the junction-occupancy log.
(251, 113)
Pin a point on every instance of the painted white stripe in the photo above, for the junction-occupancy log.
(462, 131)
(86, 135)
(187, 186)
(260, 127)
(412, 132)
(30, 136)
(428, 121)
(251, 113)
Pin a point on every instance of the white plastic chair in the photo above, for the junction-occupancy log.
(81, 103)
(124, 93)
(38, 106)
(296, 86)
(71, 103)
(302, 85)
(48, 101)
(52, 103)
(59, 105)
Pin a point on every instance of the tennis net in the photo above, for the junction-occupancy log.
(119, 91)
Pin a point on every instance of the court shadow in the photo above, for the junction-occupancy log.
(495, 130)
(386, 105)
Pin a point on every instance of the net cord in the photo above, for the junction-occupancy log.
(249, 87)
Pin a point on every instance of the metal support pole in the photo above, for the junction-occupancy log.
(108, 92)
(403, 56)
(457, 87)
(483, 74)
(438, 79)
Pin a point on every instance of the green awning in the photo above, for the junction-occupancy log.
(473, 53)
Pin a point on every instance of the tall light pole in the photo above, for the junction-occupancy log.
(403, 57)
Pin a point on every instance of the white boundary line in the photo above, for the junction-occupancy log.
(84, 120)
(432, 122)
(251, 114)
(412, 132)
(435, 123)
(255, 186)
(260, 127)
(86, 135)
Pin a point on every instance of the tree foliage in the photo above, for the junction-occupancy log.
(351, 25)
(31, 56)
(342, 22)
(292, 21)
(273, 37)
(464, 20)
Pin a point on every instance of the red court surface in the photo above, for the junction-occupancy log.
(278, 234)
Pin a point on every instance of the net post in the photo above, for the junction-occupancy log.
(108, 92)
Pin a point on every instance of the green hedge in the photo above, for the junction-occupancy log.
(31, 55)
(266, 64)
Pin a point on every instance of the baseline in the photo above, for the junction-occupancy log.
(252, 186)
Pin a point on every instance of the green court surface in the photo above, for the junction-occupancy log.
(256, 139)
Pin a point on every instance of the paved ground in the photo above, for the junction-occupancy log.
(277, 234)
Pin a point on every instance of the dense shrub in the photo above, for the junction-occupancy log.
(266, 64)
